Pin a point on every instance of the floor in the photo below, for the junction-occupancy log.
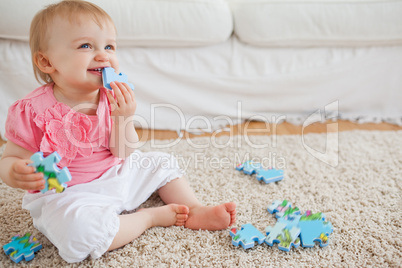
(261, 128)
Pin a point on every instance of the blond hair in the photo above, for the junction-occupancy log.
(68, 9)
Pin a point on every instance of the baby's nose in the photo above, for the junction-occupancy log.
(101, 56)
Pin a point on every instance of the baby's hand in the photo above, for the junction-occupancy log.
(124, 104)
(24, 177)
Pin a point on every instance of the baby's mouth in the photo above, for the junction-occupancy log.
(96, 70)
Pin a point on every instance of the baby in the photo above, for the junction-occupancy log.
(89, 126)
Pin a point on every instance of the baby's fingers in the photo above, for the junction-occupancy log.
(127, 92)
(117, 89)
(21, 167)
(25, 176)
(30, 182)
(112, 100)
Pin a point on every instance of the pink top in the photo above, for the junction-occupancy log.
(39, 122)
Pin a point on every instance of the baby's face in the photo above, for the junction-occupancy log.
(79, 51)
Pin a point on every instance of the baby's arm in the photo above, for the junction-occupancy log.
(123, 136)
(14, 169)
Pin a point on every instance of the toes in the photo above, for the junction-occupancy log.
(181, 214)
(232, 219)
(180, 223)
(230, 207)
(181, 217)
(181, 209)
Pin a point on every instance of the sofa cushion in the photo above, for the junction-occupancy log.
(139, 22)
(318, 22)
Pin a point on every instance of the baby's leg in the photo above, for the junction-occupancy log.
(133, 225)
(200, 217)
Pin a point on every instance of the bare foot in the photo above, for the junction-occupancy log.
(167, 215)
(212, 217)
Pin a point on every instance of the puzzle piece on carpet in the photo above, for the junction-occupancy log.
(109, 75)
(246, 236)
(22, 247)
(249, 167)
(266, 175)
(269, 175)
(314, 228)
(283, 209)
(286, 237)
(291, 220)
(55, 178)
(291, 229)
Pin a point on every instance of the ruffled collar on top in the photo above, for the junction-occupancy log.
(65, 131)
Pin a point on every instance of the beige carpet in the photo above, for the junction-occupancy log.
(361, 196)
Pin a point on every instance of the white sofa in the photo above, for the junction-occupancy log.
(206, 63)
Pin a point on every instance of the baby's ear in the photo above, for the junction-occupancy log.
(43, 63)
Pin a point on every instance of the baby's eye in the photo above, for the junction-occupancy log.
(109, 47)
(85, 46)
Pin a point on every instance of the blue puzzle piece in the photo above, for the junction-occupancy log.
(249, 167)
(269, 175)
(286, 237)
(314, 228)
(109, 75)
(290, 220)
(246, 236)
(282, 208)
(22, 247)
(273, 208)
(285, 232)
(289, 238)
(55, 178)
(291, 229)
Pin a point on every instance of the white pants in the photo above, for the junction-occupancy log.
(83, 220)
